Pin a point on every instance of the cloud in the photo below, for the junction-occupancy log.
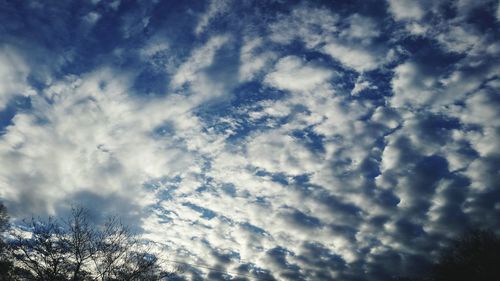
(85, 140)
(299, 25)
(14, 74)
(361, 85)
(412, 86)
(351, 56)
(199, 59)
(215, 8)
(308, 141)
(291, 73)
(253, 61)
(91, 18)
(406, 10)
(275, 152)
(352, 46)
(361, 27)
(498, 13)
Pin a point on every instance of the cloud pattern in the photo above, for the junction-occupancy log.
(323, 140)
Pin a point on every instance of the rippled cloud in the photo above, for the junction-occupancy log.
(283, 141)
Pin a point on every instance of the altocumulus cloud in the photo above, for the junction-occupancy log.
(307, 140)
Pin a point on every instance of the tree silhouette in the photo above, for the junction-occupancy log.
(474, 256)
(5, 261)
(77, 250)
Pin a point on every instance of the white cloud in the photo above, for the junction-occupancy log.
(459, 39)
(13, 76)
(361, 85)
(93, 139)
(351, 56)
(300, 25)
(497, 14)
(481, 109)
(215, 8)
(115, 4)
(386, 116)
(352, 46)
(406, 9)
(252, 61)
(153, 47)
(91, 18)
(412, 87)
(275, 152)
(360, 27)
(199, 59)
(292, 73)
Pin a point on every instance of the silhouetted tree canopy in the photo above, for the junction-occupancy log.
(76, 249)
(474, 256)
(5, 260)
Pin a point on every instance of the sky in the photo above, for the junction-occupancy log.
(265, 140)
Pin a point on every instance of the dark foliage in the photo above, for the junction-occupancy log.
(76, 250)
(473, 257)
(5, 260)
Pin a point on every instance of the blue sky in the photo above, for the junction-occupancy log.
(294, 140)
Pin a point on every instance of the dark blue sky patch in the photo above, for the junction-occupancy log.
(436, 128)
(254, 228)
(484, 19)
(47, 27)
(151, 83)
(279, 178)
(164, 186)
(380, 81)
(317, 255)
(279, 254)
(345, 231)
(207, 183)
(36, 82)
(250, 17)
(234, 112)
(174, 20)
(301, 179)
(229, 189)
(253, 92)
(237, 108)
(204, 212)
(225, 257)
(340, 208)
(310, 139)
(448, 10)
(370, 167)
(346, 7)
(224, 70)
(387, 198)
(319, 58)
(430, 55)
(165, 130)
(164, 215)
(428, 171)
(409, 230)
(259, 273)
(247, 127)
(15, 106)
(304, 220)
(297, 182)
